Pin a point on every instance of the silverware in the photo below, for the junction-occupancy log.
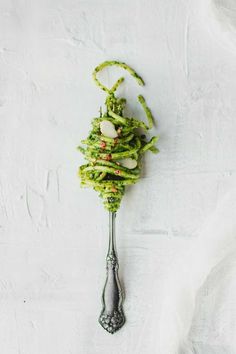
(112, 317)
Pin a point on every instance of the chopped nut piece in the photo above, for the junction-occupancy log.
(108, 129)
(128, 163)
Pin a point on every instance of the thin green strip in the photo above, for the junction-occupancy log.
(118, 82)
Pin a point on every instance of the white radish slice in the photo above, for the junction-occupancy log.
(128, 163)
(108, 129)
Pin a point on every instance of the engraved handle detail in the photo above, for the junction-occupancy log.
(112, 317)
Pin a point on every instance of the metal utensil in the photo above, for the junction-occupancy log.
(112, 317)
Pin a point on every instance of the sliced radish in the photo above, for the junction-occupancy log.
(108, 129)
(128, 163)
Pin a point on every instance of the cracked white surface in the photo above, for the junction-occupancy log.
(173, 227)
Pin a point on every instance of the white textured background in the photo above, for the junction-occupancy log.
(173, 227)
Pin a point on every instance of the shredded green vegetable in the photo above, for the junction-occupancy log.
(106, 170)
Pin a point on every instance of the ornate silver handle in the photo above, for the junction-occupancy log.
(112, 317)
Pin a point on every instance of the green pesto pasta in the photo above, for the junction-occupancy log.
(115, 146)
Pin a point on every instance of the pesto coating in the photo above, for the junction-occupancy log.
(104, 171)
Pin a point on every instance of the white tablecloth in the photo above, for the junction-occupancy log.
(175, 229)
